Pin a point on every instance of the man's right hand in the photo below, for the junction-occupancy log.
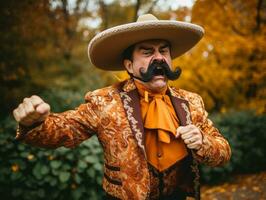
(31, 111)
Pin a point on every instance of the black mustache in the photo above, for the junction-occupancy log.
(159, 68)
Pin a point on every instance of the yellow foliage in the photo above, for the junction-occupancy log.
(228, 66)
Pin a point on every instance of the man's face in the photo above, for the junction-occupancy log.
(143, 54)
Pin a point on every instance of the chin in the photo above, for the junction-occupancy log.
(158, 83)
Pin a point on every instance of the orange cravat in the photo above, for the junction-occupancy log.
(160, 124)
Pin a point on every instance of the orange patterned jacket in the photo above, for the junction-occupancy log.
(113, 114)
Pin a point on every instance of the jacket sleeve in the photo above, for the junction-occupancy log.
(215, 150)
(67, 129)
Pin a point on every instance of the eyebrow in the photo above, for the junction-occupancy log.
(145, 48)
(165, 46)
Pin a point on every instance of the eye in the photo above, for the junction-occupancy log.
(147, 52)
(164, 50)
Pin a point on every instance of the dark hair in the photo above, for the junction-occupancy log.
(128, 52)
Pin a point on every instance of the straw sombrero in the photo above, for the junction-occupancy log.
(106, 48)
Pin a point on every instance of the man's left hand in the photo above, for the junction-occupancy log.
(191, 136)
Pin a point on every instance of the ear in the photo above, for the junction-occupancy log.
(128, 65)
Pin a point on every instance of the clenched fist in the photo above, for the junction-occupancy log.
(31, 110)
(191, 136)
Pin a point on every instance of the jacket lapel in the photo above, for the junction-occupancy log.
(181, 109)
(131, 102)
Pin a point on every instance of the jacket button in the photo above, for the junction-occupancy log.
(159, 154)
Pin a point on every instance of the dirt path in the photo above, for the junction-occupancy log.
(243, 187)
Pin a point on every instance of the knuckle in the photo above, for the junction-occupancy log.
(20, 106)
(181, 131)
(29, 112)
(48, 106)
(15, 115)
(34, 96)
(25, 99)
(23, 117)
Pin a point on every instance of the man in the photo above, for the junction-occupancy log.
(153, 135)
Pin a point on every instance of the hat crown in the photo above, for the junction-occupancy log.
(146, 17)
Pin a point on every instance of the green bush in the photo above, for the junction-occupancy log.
(246, 134)
(34, 173)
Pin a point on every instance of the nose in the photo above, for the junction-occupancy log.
(158, 56)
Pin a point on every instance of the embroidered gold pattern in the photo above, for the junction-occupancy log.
(131, 118)
(188, 117)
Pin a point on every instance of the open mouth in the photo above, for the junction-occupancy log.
(159, 71)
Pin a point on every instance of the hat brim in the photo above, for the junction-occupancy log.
(106, 48)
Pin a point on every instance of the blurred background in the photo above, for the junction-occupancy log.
(44, 51)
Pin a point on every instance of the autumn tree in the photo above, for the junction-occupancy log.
(44, 44)
(228, 66)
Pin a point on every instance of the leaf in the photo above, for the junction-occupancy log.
(97, 166)
(91, 172)
(91, 159)
(78, 179)
(44, 170)
(37, 171)
(64, 176)
(55, 164)
(76, 194)
(84, 152)
(53, 182)
(82, 164)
